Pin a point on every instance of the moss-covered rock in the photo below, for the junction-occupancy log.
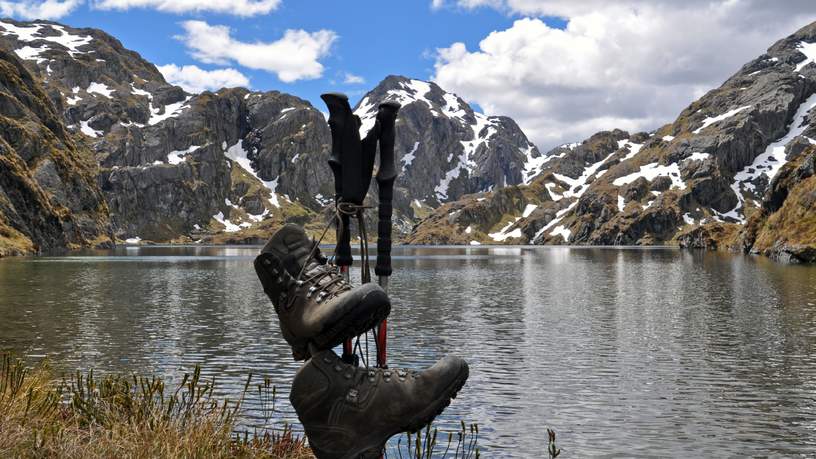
(49, 198)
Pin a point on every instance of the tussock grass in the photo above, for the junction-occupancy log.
(135, 417)
(85, 416)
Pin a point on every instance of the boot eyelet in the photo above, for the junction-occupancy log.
(311, 290)
(320, 297)
(327, 359)
(299, 282)
(347, 375)
(338, 368)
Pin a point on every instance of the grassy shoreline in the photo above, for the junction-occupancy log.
(130, 416)
(82, 415)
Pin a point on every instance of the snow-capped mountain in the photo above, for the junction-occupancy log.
(712, 166)
(236, 163)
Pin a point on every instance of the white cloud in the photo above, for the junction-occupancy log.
(195, 79)
(47, 9)
(293, 57)
(633, 64)
(351, 78)
(235, 7)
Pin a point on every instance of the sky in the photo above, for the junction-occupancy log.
(563, 69)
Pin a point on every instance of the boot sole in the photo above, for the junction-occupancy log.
(353, 324)
(424, 418)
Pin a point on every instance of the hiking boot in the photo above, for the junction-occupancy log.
(313, 302)
(350, 412)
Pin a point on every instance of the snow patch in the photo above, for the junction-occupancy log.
(553, 195)
(578, 186)
(409, 157)
(140, 92)
(562, 231)
(688, 219)
(29, 53)
(99, 88)
(634, 148)
(482, 131)
(770, 161)
(696, 156)
(529, 210)
(133, 240)
(88, 130)
(32, 33)
(558, 216)
(533, 165)
(621, 203)
(170, 111)
(239, 155)
(652, 171)
(809, 50)
(668, 138)
(468, 230)
(716, 119)
(503, 234)
(177, 156)
(229, 227)
(475, 243)
(73, 100)
(408, 92)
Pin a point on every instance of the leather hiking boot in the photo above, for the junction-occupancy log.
(313, 302)
(350, 412)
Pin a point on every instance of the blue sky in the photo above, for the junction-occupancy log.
(373, 41)
(562, 69)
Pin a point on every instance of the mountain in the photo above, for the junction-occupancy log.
(49, 198)
(228, 166)
(726, 167)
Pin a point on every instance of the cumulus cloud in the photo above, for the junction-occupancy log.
(632, 64)
(235, 7)
(350, 78)
(293, 57)
(195, 79)
(47, 9)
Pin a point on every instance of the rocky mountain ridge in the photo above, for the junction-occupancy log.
(48, 193)
(232, 164)
(710, 168)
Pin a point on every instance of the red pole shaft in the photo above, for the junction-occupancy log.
(348, 347)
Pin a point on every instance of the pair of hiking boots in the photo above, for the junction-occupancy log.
(347, 411)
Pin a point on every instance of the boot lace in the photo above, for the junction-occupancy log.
(323, 279)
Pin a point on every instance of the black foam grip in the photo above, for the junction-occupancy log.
(342, 256)
(385, 211)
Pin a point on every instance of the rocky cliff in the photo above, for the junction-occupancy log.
(711, 169)
(49, 198)
(229, 165)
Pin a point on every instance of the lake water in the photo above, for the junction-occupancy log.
(627, 352)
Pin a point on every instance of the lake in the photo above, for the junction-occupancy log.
(632, 352)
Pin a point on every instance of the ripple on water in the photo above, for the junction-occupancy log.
(627, 352)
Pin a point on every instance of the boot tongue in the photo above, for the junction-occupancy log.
(292, 246)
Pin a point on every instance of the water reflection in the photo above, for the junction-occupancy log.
(633, 352)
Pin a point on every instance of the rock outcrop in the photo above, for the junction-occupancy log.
(179, 166)
(694, 182)
(49, 198)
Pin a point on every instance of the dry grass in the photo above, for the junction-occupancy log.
(139, 417)
(134, 417)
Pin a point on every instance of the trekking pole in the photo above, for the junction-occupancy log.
(386, 175)
(343, 127)
(341, 124)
